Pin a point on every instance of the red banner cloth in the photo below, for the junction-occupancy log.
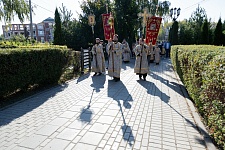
(152, 29)
(109, 30)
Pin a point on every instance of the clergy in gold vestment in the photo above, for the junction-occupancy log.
(141, 67)
(98, 64)
(126, 51)
(115, 59)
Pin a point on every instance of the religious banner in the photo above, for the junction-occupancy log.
(152, 29)
(108, 26)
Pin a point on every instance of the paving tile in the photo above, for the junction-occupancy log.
(92, 138)
(58, 144)
(99, 128)
(68, 134)
(33, 141)
(47, 130)
(68, 114)
(77, 124)
(105, 119)
(70, 146)
(152, 116)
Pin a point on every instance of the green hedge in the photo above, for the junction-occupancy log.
(24, 67)
(202, 70)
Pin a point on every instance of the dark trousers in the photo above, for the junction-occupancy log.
(167, 53)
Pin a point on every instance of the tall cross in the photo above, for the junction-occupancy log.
(145, 15)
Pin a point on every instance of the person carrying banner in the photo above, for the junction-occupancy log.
(98, 64)
(141, 67)
(115, 58)
(126, 51)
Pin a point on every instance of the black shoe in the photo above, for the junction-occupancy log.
(95, 74)
(117, 79)
(99, 73)
(144, 79)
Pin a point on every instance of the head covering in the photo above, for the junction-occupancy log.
(97, 39)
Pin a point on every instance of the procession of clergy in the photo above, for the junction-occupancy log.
(117, 51)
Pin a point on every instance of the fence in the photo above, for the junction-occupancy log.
(85, 59)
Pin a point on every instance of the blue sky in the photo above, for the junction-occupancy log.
(46, 8)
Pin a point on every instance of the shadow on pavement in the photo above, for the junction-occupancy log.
(86, 113)
(119, 92)
(153, 90)
(98, 82)
(83, 77)
(175, 86)
(128, 65)
(28, 104)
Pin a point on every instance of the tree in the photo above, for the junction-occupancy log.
(57, 29)
(155, 7)
(223, 28)
(10, 8)
(186, 33)
(174, 33)
(196, 21)
(126, 19)
(218, 35)
(65, 15)
(205, 32)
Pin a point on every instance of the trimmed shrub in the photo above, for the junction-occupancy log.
(24, 67)
(202, 70)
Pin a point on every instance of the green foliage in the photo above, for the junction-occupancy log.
(174, 33)
(126, 18)
(196, 21)
(57, 29)
(10, 8)
(218, 35)
(22, 68)
(202, 70)
(155, 7)
(205, 32)
(186, 33)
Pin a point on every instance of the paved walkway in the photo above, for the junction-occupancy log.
(98, 113)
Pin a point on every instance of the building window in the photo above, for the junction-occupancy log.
(50, 24)
(15, 27)
(21, 27)
(9, 34)
(16, 33)
(40, 26)
(40, 32)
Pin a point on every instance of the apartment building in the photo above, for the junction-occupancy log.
(42, 32)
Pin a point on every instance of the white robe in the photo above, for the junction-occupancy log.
(98, 63)
(157, 55)
(126, 52)
(141, 63)
(115, 59)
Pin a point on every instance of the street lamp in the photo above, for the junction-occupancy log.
(174, 13)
